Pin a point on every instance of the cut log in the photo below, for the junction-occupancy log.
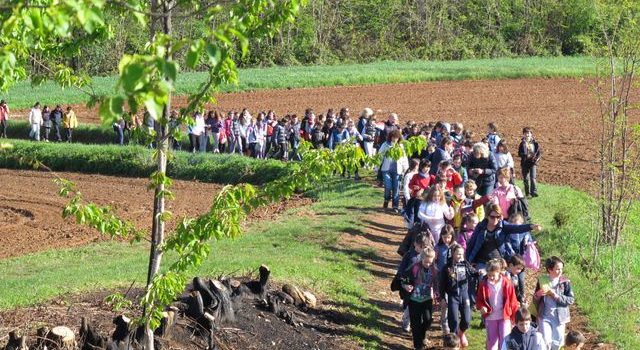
(295, 293)
(61, 338)
(90, 338)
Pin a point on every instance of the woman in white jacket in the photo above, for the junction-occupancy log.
(35, 120)
(392, 171)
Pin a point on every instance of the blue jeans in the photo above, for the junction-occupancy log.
(391, 187)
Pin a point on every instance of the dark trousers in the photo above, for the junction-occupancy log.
(411, 211)
(3, 128)
(119, 135)
(529, 174)
(459, 311)
(421, 316)
(56, 128)
(69, 135)
(47, 131)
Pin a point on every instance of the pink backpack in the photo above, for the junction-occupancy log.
(531, 256)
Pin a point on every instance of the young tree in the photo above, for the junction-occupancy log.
(619, 152)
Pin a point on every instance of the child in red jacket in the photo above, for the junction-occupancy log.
(496, 299)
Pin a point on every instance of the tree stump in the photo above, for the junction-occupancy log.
(62, 338)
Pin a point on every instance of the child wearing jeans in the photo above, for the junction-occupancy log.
(447, 239)
(454, 284)
(421, 284)
(552, 298)
(496, 300)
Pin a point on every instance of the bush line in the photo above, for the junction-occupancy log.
(137, 161)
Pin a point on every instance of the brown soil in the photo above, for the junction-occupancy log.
(562, 112)
(383, 232)
(31, 212)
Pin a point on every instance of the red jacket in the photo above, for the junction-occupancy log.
(508, 294)
(418, 182)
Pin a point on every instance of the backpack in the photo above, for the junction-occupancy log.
(531, 256)
(520, 206)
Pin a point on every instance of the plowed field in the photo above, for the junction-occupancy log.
(563, 113)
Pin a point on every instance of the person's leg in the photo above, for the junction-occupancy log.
(465, 320)
(559, 332)
(36, 131)
(503, 330)
(427, 318)
(444, 322)
(386, 180)
(416, 311)
(492, 333)
(405, 318)
(3, 128)
(545, 327)
(453, 307)
(395, 188)
(47, 131)
(525, 179)
(57, 130)
(203, 143)
(534, 184)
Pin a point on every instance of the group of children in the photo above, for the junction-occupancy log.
(45, 120)
(467, 245)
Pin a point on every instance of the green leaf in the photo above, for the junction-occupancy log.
(131, 77)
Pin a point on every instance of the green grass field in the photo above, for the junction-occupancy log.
(23, 95)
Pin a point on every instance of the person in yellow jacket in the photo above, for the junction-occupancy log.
(70, 122)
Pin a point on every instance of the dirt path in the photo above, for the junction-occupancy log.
(383, 232)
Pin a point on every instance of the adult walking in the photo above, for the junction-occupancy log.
(35, 121)
(70, 123)
(4, 117)
(56, 121)
(529, 152)
(482, 168)
(491, 234)
(392, 170)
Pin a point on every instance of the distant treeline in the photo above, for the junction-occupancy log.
(336, 31)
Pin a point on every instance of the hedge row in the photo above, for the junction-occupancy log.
(137, 161)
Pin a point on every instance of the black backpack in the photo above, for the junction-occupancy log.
(520, 206)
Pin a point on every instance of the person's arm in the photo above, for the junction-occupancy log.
(521, 150)
(511, 229)
(448, 212)
(422, 212)
(492, 166)
(567, 298)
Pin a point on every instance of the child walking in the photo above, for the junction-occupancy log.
(523, 336)
(408, 260)
(447, 239)
(552, 298)
(496, 299)
(422, 285)
(454, 284)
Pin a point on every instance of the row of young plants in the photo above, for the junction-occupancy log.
(137, 161)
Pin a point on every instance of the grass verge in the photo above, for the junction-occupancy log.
(606, 288)
(299, 247)
(23, 95)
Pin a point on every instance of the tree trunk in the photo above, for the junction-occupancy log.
(162, 142)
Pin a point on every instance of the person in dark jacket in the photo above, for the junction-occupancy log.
(443, 152)
(490, 236)
(529, 153)
(56, 120)
(482, 168)
(454, 283)
(523, 336)
(280, 140)
(294, 137)
(46, 120)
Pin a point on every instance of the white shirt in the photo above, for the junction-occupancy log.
(504, 160)
(434, 214)
(35, 116)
